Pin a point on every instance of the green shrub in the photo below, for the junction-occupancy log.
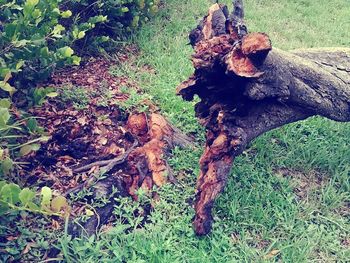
(17, 137)
(123, 15)
(34, 41)
(38, 36)
(13, 199)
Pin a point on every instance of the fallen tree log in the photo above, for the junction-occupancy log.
(247, 88)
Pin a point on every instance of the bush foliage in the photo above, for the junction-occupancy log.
(38, 36)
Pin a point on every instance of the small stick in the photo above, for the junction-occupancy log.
(108, 163)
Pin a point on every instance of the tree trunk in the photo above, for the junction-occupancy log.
(247, 88)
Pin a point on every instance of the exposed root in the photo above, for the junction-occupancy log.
(107, 164)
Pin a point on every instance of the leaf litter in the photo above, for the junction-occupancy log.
(99, 132)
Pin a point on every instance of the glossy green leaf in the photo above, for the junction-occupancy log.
(26, 196)
(81, 35)
(4, 117)
(19, 64)
(57, 30)
(27, 149)
(34, 207)
(58, 203)
(32, 125)
(6, 165)
(66, 14)
(10, 193)
(76, 60)
(5, 103)
(44, 52)
(66, 52)
(32, 3)
(46, 195)
(124, 9)
(7, 87)
(52, 94)
(20, 43)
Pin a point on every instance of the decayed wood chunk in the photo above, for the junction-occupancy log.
(148, 162)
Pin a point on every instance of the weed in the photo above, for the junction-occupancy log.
(77, 96)
(136, 101)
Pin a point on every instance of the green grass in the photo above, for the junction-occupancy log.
(79, 97)
(260, 211)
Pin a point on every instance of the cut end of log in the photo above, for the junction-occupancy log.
(241, 65)
(219, 43)
(256, 44)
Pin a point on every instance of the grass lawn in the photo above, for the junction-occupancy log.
(288, 195)
(287, 198)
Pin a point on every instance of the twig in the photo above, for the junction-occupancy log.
(108, 163)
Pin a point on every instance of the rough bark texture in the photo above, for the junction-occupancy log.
(247, 88)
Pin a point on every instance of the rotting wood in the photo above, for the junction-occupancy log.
(143, 165)
(247, 88)
(145, 160)
(147, 164)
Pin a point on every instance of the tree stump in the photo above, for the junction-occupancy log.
(247, 88)
(142, 166)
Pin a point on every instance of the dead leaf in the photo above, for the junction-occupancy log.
(65, 159)
(11, 238)
(272, 254)
(103, 140)
(57, 122)
(107, 121)
(82, 120)
(28, 247)
(55, 225)
(97, 130)
(114, 149)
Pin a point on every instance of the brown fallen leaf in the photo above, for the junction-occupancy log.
(65, 159)
(114, 150)
(272, 254)
(57, 122)
(90, 80)
(55, 224)
(82, 120)
(103, 140)
(11, 238)
(28, 247)
(107, 121)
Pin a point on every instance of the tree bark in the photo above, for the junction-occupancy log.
(247, 88)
